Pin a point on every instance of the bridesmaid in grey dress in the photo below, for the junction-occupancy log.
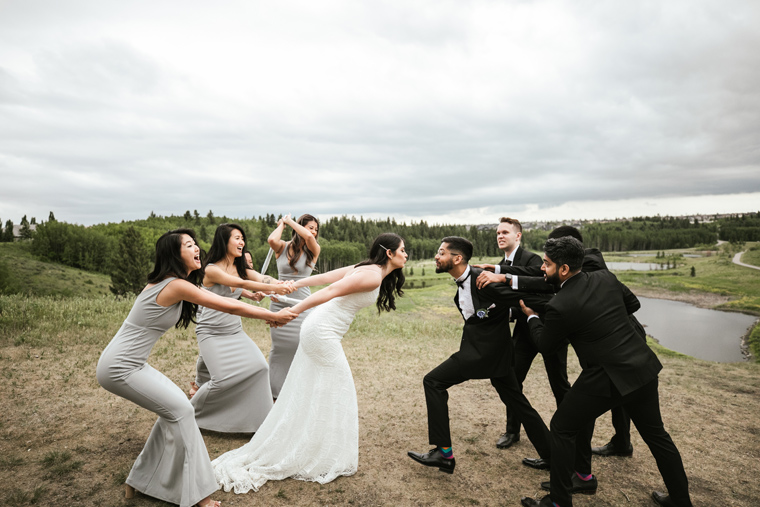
(236, 396)
(174, 465)
(295, 261)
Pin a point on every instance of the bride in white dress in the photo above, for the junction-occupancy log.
(312, 432)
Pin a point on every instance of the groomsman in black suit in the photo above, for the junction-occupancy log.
(508, 235)
(591, 311)
(485, 352)
(530, 278)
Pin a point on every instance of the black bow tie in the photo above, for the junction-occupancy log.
(461, 282)
(507, 262)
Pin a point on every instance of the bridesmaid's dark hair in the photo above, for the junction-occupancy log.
(218, 250)
(169, 263)
(393, 282)
(298, 244)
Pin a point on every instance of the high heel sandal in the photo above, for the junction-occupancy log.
(129, 491)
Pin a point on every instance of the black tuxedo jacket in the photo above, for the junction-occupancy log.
(591, 311)
(486, 347)
(522, 258)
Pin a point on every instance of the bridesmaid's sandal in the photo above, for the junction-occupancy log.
(129, 491)
(193, 389)
(209, 503)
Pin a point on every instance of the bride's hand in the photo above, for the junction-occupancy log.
(284, 316)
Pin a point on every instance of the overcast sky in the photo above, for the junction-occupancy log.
(448, 111)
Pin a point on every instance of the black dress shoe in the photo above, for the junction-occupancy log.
(531, 502)
(434, 458)
(613, 450)
(663, 499)
(507, 439)
(579, 485)
(537, 463)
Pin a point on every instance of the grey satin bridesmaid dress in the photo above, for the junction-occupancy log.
(174, 465)
(234, 394)
(285, 339)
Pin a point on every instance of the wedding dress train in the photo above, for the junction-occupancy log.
(312, 432)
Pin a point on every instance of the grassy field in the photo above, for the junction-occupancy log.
(64, 440)
(752, 255)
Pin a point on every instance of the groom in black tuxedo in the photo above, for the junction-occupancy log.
(591, 311)
(485, 352)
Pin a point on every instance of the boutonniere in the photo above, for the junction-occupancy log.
(483, 312)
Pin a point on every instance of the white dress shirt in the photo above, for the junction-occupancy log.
(465, 296)
(511, 259)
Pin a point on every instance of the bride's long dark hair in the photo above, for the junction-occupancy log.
(392, 284)
(169, 263)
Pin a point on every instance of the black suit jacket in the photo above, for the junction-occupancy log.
(522, 258)
(486, 347)
(591, 311)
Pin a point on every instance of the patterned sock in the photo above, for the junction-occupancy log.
(447, 452)
(584, 477)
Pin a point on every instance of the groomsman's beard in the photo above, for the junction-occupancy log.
(553, 279)
(444, 268)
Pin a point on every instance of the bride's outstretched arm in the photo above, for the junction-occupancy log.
(324, 278)
(361, 281)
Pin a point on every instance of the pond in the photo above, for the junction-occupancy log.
(699, 332)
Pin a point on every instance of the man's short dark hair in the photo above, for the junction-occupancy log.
(565, 250)
(459, 246)
(566, 230)
(512, 221)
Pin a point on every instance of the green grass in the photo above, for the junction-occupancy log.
(752, 256)
(21, 273)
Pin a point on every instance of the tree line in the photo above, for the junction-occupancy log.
(125, 249)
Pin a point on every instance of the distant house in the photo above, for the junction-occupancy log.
(17, 231)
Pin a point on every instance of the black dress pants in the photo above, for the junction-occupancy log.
(573, 424)
(556, 370)
(448, 374)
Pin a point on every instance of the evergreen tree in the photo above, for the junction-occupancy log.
(210, 217)
(197, 217)
(33, 221)
(187, 216)
(8, 233)
(51, 217)
(25, 232)
(131, 264)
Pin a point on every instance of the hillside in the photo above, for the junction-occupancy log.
(21, 273)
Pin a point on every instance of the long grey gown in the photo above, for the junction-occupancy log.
(235, 396)
(285, 339)
(174, 465)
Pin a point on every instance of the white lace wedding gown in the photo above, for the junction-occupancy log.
(312, 432)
